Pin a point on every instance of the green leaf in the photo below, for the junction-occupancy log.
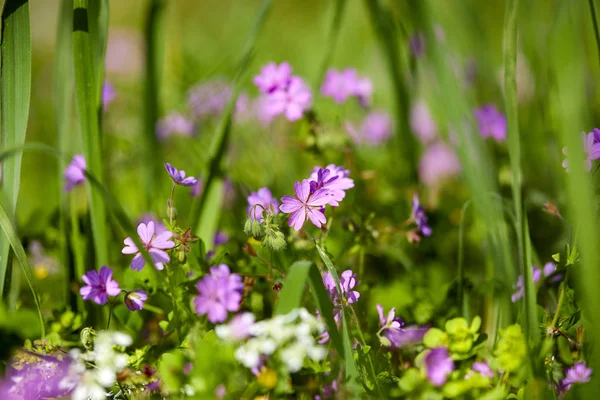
(87, 95)
(17, 247)
(15, 95)
(291, 294)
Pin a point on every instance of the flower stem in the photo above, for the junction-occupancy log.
(561, 297)
(110, 313)
(170, 205)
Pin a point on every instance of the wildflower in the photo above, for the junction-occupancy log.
(417, 44)
(347, 283)
(262, 110)
(238, 328)
(391, 327)
(491, 122)
(438, 164)
(334, 179)
(124, 54)
(339, 85)
(99, 285)
(174, 124)
(219, 292)
(259, 201)
(375, 129)
(422, 123)
(197, 188)
(292, 101)
(418, 216)
(108, 95)
(155, 244)
(578, 373)
(159, 226)
(591, 146)
(179, 177)
(75, 172)
(305, 205)
(135, 299)
(537, 275)
(209, 98)
(273, 77)
(483, 368)
(438, 365)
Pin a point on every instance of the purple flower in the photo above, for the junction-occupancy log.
(483, 368)
(197, 188)
(391, 327)
(238, 328)
(419, 217)
(340, 85)
(578, 373)
(209, 98)
(417, 44)
(292, 101)
(155, 244)
(159, 226)
(262, 110)
(174, 124)
(438, 164)
(491, 122)
(439, 365)
(273, 77)
(74, 172)
(375, 129)
(549, 268)
(537, 275)
(99, 285)
(305, 205)
(347, 283)
(135, 299)
(220, 238)
(334, 179)
(591, 146)
(422, 123)
(259, 200)
(179, 177)
(219, 292)
(108, 95)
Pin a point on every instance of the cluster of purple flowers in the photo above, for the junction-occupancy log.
(348, 282)
(578, 373)
(100, 285)
(341, 85)
(591, 147)
(326, 186)
(491, 122)
(285, 94)
(219, 292)
(537, 275)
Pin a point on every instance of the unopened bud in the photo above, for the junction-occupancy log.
(87, 338)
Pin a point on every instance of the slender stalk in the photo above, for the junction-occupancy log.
(595, 23)
(334, 32)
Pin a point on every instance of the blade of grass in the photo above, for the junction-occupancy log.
(63, 90)
(334, 32)
(19, 252)
(15, 91)
(205, 214)
(386, 33)
(154, 34)
(87, 95)
(595, 23)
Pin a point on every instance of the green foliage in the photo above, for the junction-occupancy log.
(511, 349)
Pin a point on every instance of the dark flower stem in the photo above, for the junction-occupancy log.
(110, 313)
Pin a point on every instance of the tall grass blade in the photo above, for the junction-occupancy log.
(63, 92)
(15, 95)
(334, 32)
(87, 96)
(206, 213)
(13, 240)
(154, 34)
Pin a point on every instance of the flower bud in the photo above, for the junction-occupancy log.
(87, 338)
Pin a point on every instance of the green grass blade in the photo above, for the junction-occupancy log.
(63, 92)
(19, 252)
(15, 94)
(386, 33)
(87, 95)
(334, 32)
(154, 33)
(206, 212)
(530, 302)
(595, 23)
(293, 289)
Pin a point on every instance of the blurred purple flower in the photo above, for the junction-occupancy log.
(155, 244)
(209, 98)
(347, 283)
(124, 54)
(578, 373)
(220, 238)
(334, 179)
(537, 275)
(305, 205)
(219, 292)
(179, 177)
(174, 124)
(108, 95)
(422, 123)
(263, 198)
(99, 285)
(74, 172)
(292, 101)
(375, 129)
(591, 146)
(491, 122)
(262, 111)
(438, 164)
(197, 188)
(340, 85)
(238, 328)
(417, 44)
(419, 217)
(273, 77)
(135, 300)
(33, 376)
(438, 365)
(483, 368)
